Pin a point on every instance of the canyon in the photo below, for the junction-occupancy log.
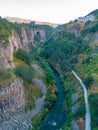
(28, 84)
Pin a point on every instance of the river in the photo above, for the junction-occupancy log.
(55, 119)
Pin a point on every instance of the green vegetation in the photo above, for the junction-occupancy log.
(88, 81)
(91, 29)
(23, 55)
(5, 30)
(38, 119)
(50, 82)
(80, 112)
(6, 75)
(64, 50)
(70, 84)
(26, 73)
(93, 99)
(32, 93)
(51, 98)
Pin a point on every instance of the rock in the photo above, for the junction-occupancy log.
(75, 108)
(12, 99)
(74, 125)
(54, 124)
(74, 97)
(17, 40)
(41, 86)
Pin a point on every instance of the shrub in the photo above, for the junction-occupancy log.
(49, 78)
(5, 74)
(51, 98)
(23, 55)
(80, 112)
(25, 73)
(93, 100)
(88, 22)
(49, 75)
(88, 81)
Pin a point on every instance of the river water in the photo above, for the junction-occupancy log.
(57, 115)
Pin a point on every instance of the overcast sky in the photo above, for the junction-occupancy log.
(57, 11)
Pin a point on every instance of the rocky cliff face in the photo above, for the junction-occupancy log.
(12, 99)
(74, 30)
(12, 104)
(18, 40)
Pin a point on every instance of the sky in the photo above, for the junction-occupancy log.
(55, 11)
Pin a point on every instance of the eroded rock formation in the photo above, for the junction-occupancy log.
(12, 99)
(17, 40)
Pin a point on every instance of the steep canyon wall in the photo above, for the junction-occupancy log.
(18, 40)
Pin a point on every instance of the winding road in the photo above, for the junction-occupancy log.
(87, 115)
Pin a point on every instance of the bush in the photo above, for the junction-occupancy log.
(80, 112)
(93, 100)
(88, 22)
(49, 78)
(88, 81)
(49, 75)
(87, 60)
(25, 73)
(5, 74)
(23, 55)
(51, 98)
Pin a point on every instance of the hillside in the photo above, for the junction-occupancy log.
(74, 46)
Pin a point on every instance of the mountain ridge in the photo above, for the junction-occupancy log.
(23, 20)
